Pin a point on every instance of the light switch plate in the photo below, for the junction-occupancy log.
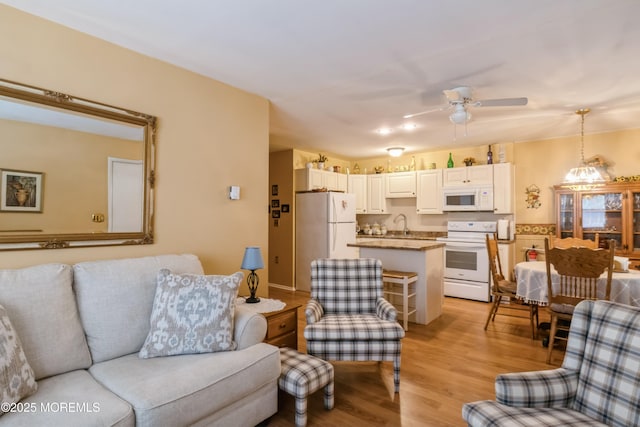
(234, 192)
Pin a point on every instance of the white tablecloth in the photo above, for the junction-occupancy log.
(532, 284)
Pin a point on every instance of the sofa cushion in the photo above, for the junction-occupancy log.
(191, 314)
(43, 311)
(180, 390)
(16, 375)
(74, 399)
(115, 298)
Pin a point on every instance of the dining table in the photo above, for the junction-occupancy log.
(531, 278)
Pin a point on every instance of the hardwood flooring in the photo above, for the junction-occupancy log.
(444, 364)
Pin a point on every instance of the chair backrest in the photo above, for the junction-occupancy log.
(570, 242)
(579, 269)
(495, 266)
(604, 349)
(347, 286)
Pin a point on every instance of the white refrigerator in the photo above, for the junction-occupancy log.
(325, 224)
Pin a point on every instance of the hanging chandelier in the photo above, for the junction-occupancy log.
(583, 177)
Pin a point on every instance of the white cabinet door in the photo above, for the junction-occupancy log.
(400, 184)
(330, 180)
(429, 191)
(468, 175)
(343, 185)
(503, 188)
(376, 202)
(308, 179)
(357, 184)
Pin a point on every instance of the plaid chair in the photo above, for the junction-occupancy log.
(347, 318)
(598, 383)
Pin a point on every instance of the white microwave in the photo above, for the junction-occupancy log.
(467, 199)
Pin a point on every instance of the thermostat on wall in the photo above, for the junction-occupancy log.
(234, 192)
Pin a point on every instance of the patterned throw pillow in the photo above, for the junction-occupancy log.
(16, 376)
(192, 314)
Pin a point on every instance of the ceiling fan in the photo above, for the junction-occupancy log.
(460, 98)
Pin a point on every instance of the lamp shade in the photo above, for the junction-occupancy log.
(252, 259)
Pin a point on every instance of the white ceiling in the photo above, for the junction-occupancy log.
(335, 70)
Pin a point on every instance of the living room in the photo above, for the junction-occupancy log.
(212, 136)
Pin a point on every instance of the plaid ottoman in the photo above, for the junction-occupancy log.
(302, 375)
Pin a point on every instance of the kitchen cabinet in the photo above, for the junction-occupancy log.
(309, 179)
(429, 191)
(376, 200)
(503, 188)
(611, 210)
(400, 184)
(357, 184)
(467, 176)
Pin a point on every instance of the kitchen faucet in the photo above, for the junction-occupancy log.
(405, 230)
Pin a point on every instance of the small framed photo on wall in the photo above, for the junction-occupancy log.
(20, 191)
(284, 208)
(275, 213)
(275, 203)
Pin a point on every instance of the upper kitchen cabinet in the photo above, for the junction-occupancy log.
(429, 191)
(309, 179)
(467, 176)
(357, 184)
(376, 200)
(400, 184)
(503, 188)
(611, 210)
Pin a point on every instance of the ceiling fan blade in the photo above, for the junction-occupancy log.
(433, 110)
(503, 102)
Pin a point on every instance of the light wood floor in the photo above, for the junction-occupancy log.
(444, 364)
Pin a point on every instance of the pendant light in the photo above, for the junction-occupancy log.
(583, 177)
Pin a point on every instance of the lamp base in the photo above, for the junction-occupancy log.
(252, 300)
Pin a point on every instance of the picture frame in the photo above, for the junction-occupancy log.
(275, 213)
(21, 191)
(284, 208)
(275, 203)
(274, 190)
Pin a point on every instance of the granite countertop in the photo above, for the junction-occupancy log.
(390, 243)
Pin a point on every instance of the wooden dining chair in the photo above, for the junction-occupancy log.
(570, 242)
(503, 289)
(578, 270)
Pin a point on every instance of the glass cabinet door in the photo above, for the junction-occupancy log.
(602, 214)
(566, 215)
(635, 221)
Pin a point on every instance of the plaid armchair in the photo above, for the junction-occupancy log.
(347, 317)
(598, 383)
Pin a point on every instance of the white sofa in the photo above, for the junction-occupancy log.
(81, 328)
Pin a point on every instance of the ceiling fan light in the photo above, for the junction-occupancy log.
(395, 151)
(460, 116)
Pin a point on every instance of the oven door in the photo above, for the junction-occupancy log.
(466, 261)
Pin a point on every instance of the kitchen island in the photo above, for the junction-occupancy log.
(424, 257)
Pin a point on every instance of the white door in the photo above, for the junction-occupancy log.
(126, 195)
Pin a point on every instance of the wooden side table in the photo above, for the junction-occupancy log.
(282, 327)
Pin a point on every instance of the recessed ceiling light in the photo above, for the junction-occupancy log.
(395, 151)
(409, 126)
(384, 131)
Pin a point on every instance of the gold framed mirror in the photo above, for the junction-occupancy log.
(73, 172)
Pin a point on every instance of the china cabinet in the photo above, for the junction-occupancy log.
(611, 210)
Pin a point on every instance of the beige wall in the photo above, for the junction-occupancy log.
(281, 230)
(73, 188)
(210, 136)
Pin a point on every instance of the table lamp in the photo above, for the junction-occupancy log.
(252, 260)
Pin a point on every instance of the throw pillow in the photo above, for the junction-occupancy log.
(16, 376)
(192, 314)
